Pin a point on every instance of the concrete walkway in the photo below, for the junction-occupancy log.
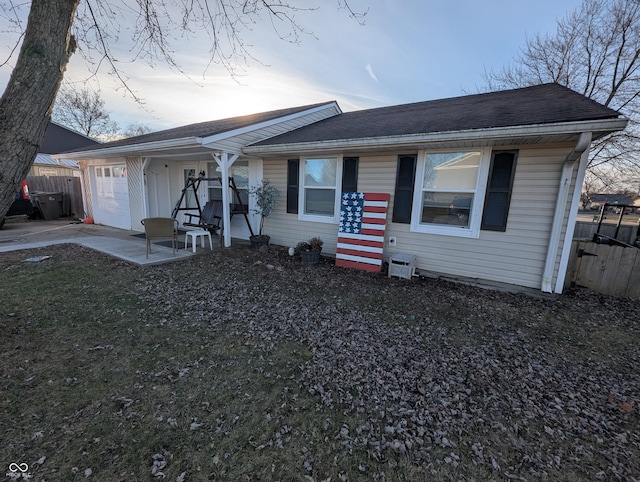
(18, 234)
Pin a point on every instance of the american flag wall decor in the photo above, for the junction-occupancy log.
(363, 219)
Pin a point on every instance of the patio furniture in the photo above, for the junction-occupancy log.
(161, 228)
(210, 219)
(194, 235)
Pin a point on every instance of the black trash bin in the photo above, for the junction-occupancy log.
(49, 204)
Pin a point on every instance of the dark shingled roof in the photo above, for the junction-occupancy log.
(540, 104)
(205, 129)
(58, 139)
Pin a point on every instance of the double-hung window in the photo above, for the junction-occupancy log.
(449, 192)
(319, 193)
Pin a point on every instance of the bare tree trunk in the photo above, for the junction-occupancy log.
(25, 107)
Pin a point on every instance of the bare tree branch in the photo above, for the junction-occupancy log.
(56, 28)
(595, 51)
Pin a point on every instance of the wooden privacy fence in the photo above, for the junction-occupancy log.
(610, 270)
(626, 233)
(69, 186)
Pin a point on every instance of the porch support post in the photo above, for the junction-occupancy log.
(143, 187)
(225, 161)
(138, 208)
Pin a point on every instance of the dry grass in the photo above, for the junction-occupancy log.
(238, 365)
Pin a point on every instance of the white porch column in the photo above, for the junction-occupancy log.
(145, 192)
(137, 189)
(225, 161)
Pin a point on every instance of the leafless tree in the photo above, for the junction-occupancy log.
(56, 28)
(84, 111)
(136, 129)
(595, 51)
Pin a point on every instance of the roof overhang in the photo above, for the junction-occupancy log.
(133, 150)
(195, 147)
(540, 133)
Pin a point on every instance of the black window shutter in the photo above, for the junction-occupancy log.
(350, 174)
(403, 198)
(499, 188)
(293, 180)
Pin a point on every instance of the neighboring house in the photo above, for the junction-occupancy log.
(59, 139)
(596, 201)
(481, 187)
(45, 165)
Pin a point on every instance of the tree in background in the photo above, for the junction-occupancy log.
(595, 51)
(55, 28)
(84, 111)
(136, 129)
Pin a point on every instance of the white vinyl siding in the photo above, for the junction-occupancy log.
(286, 229)
(515, 256)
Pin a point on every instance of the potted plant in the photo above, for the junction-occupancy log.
(310, 250)
(265, 195)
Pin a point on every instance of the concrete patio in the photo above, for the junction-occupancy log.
(20, 233)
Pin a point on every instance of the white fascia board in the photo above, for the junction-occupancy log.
(207, 141)
(606, 125)
(131, 149)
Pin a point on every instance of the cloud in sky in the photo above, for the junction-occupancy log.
(426, 49)
(369, 70)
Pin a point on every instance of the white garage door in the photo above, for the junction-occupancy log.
(111, 206)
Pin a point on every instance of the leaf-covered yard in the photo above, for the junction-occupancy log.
(244, 365)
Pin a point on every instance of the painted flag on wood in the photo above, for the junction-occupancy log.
(363, 218)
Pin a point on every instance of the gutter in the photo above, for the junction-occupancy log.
(604, 125)
(579, 152)
(130, 150)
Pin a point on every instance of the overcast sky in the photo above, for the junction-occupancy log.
(407, 51)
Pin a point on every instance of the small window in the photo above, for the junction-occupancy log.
(499, 188)
(449, 193)
(448, 188)
(319, 181)
(46, 171)
(107, 172)
(98, 172)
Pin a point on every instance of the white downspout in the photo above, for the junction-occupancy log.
(571, 223)
(582, 148)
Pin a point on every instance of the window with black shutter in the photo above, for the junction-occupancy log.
(293, 180)
(499, 188)
(403, 197)
(350, 174)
